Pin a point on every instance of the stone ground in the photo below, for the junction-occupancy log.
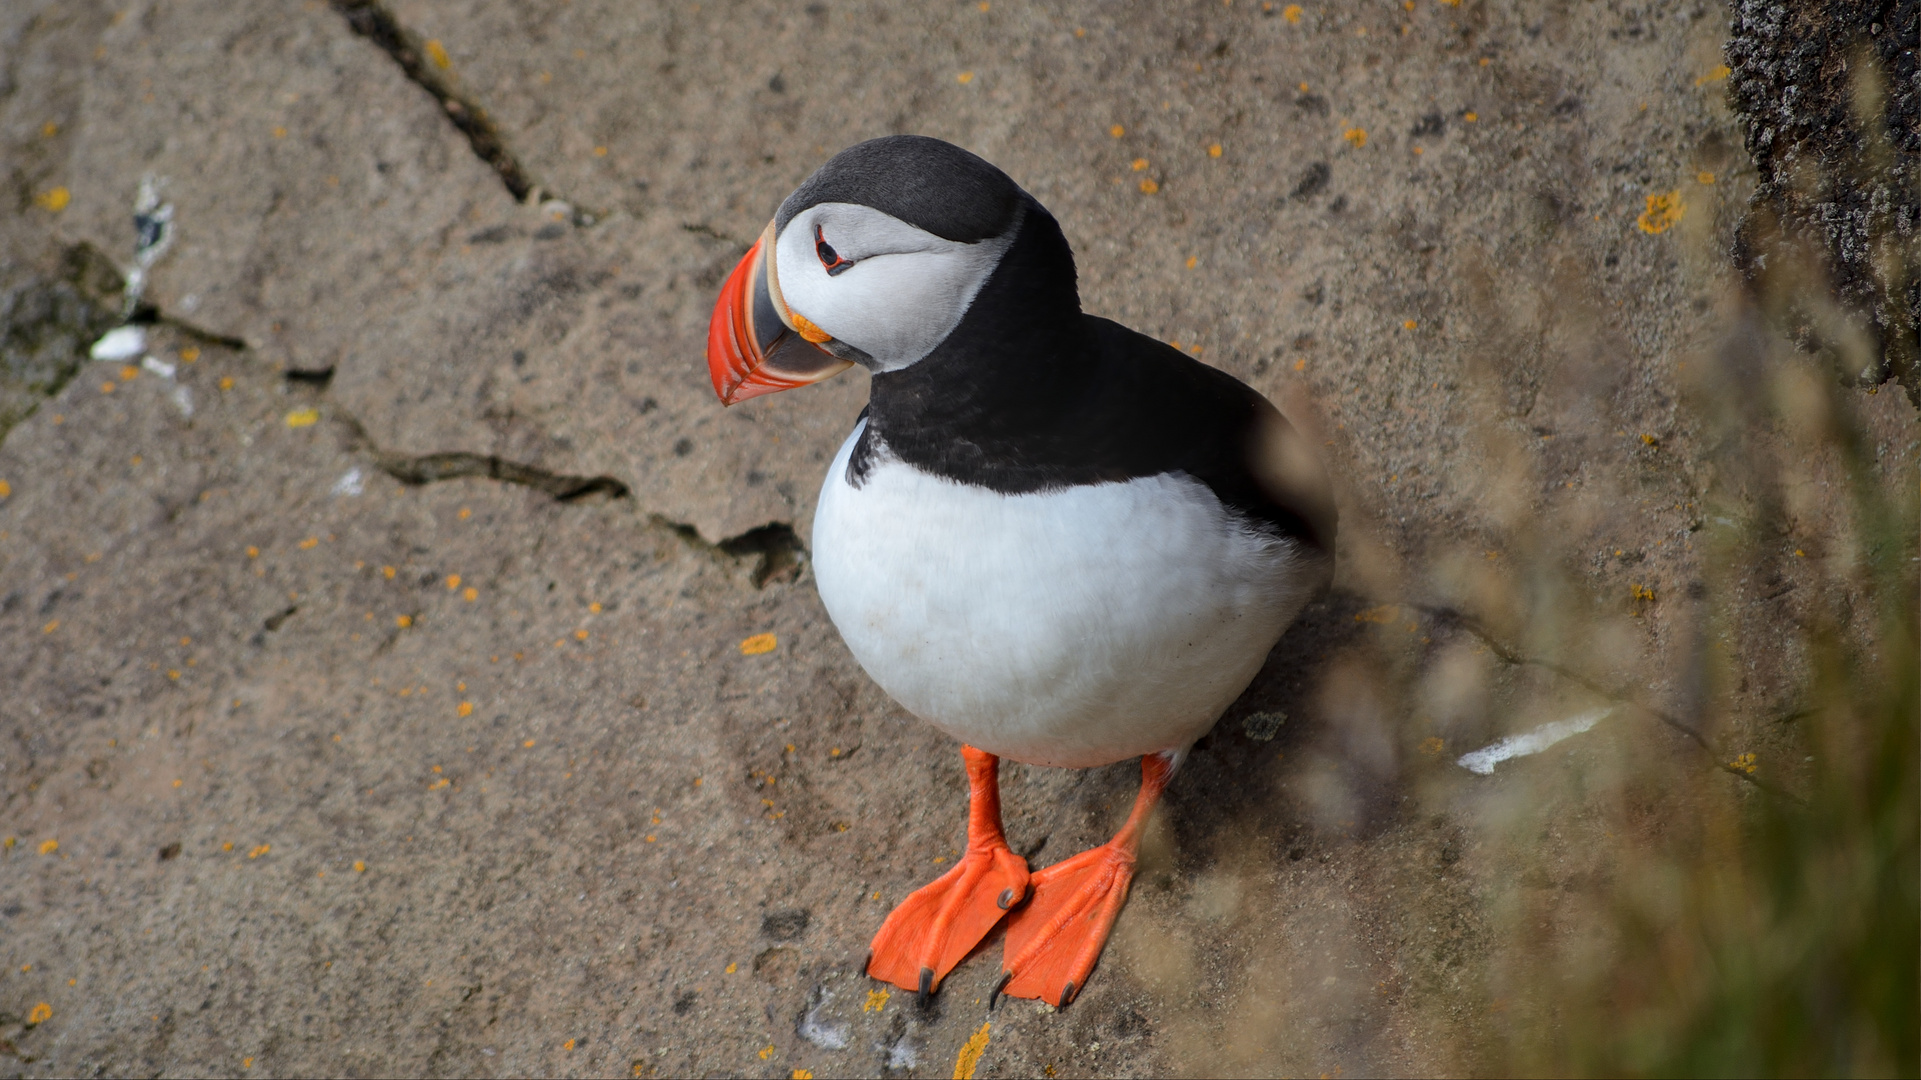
(375, 694)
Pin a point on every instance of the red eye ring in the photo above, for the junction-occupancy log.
(829, 258)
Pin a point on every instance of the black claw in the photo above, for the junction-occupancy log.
(1067, 993)
(994, 998)
(926, 985)
(1007, 899)
(867, 963)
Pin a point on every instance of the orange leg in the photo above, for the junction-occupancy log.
(1053, 942)
(936, 927)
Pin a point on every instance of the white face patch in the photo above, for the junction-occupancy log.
(905, 292)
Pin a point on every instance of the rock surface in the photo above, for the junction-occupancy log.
(328, 750)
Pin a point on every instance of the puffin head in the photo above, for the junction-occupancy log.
(874, 260)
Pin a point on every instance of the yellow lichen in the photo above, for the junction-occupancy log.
(970, 1054)
(54, 200)
(300, 418)
(39, 1014)
(758, 644)
(1662, 213)
(876, 1001)
(48, 847)
(438, 54)
(1292, 13)
(1357, 136)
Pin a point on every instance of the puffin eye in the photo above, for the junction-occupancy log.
(829, 258)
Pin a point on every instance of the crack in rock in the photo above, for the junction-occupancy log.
(371, 20)
(774, 548)
(417, 470)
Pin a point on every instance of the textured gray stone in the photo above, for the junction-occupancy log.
(593, 869)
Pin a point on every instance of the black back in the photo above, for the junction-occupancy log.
(1029, 394)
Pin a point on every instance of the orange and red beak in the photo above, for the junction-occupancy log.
(755, 345)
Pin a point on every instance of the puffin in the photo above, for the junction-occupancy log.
(1055, 539)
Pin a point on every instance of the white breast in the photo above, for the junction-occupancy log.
(1075, 627)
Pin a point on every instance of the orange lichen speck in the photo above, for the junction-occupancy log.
(1662, 212)
(1149, 186)
(39, 1014)
(970, 1054)
(1292, 13)
(453, 582)
(1355, 135)
(48, 847)
(403, 621)
(466, 708)
(758, 644)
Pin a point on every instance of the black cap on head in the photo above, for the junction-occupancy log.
(927, 183)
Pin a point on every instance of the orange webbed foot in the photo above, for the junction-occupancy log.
(1054, 942)
(935, 928)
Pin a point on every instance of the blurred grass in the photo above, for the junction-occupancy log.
(1750, 932)
(1722, 878)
